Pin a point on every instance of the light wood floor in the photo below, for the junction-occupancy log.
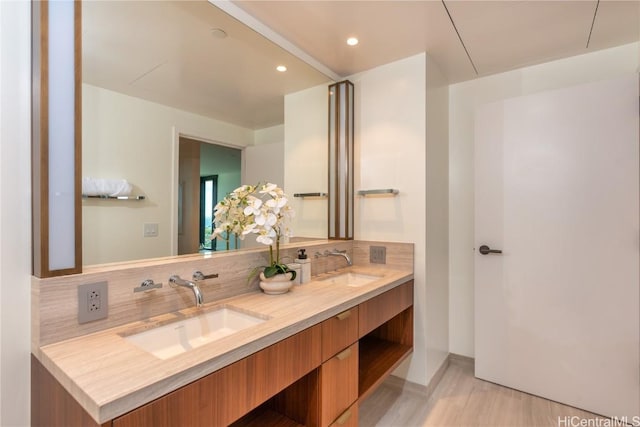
(460, 399)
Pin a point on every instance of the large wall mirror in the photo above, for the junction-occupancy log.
(157, 78)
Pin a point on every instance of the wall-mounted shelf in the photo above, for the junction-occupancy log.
(316, 195)
(385, 191)
(84, 196)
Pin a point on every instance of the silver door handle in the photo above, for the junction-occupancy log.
(486, 250)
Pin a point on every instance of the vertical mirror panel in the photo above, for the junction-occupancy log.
(61, 135)
(341, 160)
(56, 138)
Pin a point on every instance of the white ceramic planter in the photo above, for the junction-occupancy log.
(278, 284)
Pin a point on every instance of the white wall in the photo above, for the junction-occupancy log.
(264, 163)
(464, 99)
(392, 145)
(437, 219)
(15, 212)
(127, 137)
(306, 158)
(271, 135)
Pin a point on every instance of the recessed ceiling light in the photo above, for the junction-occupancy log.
(281, 68)
(352, 41)
(218, 33)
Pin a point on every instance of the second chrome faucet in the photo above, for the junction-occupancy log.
(344, 254)
(336, 252)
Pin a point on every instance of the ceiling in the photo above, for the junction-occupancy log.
(498, 35)
(164, 51)
(168, 53)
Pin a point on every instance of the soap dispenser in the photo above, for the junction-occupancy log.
(305, 266)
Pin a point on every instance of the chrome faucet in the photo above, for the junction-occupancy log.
(175, 280)
(344, 254)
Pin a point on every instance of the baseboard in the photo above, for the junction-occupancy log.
(426, 391)
(411, 387)
(404, 385)
(461, 360)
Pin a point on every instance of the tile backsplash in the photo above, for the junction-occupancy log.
(55, 300)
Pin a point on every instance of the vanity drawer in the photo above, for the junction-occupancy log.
(380, 309)
(339, 332)
(338, 384)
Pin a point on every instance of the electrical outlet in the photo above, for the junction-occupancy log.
(378, 254)
(93, 302)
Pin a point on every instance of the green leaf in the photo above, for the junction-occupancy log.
(271, 271)
(278, 269)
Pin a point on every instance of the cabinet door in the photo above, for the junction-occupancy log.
(338, 384)
(339, 332)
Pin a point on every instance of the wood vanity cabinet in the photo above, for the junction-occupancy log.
(339, 370)
(360, 348)
(348, 418)
(338, 384)
(315, 378)
(339, 332)
(386, 336)
(226, 395)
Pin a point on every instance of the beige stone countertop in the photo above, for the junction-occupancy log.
(110, 376)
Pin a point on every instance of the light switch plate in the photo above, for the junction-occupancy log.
(150, 230)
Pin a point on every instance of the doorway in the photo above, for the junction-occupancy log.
(206, 172)
(208, 201)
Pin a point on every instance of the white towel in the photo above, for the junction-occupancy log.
(105, 187)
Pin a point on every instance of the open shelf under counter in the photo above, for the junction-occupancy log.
(377, 359)
(262, 417)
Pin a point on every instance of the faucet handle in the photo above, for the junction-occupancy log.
(199, 275)
(147, 285)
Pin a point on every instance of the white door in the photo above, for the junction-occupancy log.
(557, 190)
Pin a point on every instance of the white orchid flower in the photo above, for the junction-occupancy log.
(249, 228)
(272, 220)
(262, 210)
(253, 207)
(268, 188)
(264, 240)
(260, 220)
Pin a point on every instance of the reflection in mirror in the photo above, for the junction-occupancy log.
(170, 71)
(206, 173)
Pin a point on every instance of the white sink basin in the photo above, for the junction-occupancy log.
(175, 338)
(351, 279)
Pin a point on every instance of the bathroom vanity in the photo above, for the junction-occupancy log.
(321, 349)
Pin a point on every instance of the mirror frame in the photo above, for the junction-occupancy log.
(341, 160)
(49, 146)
